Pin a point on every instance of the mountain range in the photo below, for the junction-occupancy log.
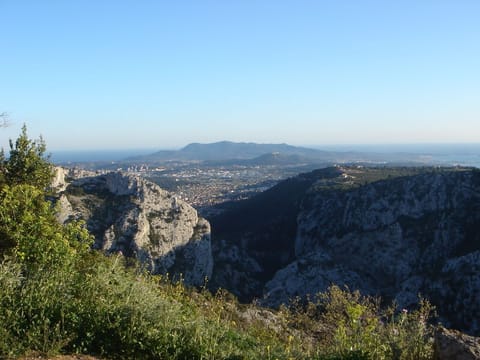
(254, 154)
(227, 150)
(227, 153)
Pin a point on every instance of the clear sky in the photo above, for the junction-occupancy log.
(103, 74)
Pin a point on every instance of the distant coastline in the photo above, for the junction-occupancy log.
(438, 154)
(66, 156)
(434, 148)
(467, 154)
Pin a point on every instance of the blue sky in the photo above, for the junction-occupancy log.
(106, 74)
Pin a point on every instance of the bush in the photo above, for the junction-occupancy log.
(100, 307)
(27, 163)
(349, 325)
(30, 231)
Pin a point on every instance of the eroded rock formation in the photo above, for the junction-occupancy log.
(131, 215)
(392, 232)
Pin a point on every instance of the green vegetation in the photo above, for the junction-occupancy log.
(350, 325)
(27, 163)
(58, 296)
(354, 177)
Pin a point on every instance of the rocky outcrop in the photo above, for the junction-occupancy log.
(133, 216)
(235, 268)
(453, 345)
(395, 238)
(391, 232)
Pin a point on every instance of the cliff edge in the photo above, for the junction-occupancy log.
(136, 217)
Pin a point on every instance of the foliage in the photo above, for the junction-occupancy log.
(30, 231)
(99, 306)
(102, 308)
(27, 163)
(353, 326)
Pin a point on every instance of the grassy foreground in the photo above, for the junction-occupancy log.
(98, 306)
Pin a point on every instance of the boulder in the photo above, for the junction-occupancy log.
(454, 345)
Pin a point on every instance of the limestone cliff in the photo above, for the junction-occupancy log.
(396, 238)
(136, 217)
(390, 232)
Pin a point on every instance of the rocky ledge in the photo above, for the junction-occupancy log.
(453, 345)
(133, 216)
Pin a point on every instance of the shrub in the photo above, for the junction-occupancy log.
(27, 163)
(349, 325)
(30, 231)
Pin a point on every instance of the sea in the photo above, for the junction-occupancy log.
(436, 154)
(77, 156)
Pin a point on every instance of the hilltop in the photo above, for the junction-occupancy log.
(228, 150)
(234, 150)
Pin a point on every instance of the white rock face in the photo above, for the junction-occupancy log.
(63, 176)
(136, 217)
(308, 276)
(59, 183)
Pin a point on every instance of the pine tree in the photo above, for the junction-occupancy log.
(27, 163)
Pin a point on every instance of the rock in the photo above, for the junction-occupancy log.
(454, 345)
(64, 208)
(266, 317)
(389, 232)
(395, 238)
(58, 183)
(133, 216)
(233, 266)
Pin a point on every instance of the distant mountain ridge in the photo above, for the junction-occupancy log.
(228, 150)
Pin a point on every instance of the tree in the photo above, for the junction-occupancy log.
(28, 227)
(30, 231)
(27, 163)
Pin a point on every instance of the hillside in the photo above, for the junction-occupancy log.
(261, 230)
(391, 232)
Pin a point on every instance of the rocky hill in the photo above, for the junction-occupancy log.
(136, 217)
(228, 150)
(390, 232)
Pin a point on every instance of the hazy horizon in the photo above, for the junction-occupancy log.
(462, 154)
(388, 147)
(128, 74)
